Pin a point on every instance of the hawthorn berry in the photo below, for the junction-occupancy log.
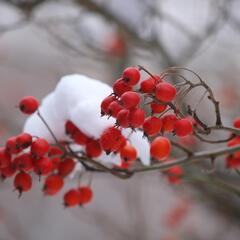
(130, 99)
(131, 76)
(86, 195)
(53, 184)
(43, 166)
(93, 148)
(175, 174)
(28, 105)
(149, 85)
(105, 104)
(70, 128)
(23, 140)
(160, 148)
(12, 146)
(152, 126)
(72, 198)
(23, 162)
(8, 171)
(66, 167)
(183, 127)
(128, 153)
(5, 158)
(39, 147)
(22, 182)
(114, 108)
(158, 107)
(136, 118)
(122, 118)
(120, 87)
(55, 151)
(79, 137)
(169, 121)
(165, 92)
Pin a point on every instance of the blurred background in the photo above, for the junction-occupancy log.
(42, 40)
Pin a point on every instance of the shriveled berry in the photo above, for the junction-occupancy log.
(120, 87)
(28, 105)
(183, 127)
(160, 148)
(165, 92)
(53, 184)
(152, 126)
(130, 99)
(131, 76)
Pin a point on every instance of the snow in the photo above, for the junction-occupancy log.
(78, 98)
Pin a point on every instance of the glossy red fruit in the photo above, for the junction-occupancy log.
(43, 166)
(39, 147)
(110, 139)
(160, 148)
(158, 108)
(79, 137)
(105, 104)
(7, 172)
(148, 85)
(70, 128)
(130, 99)
(23, 162)
(93, 148)
(120, 87)
(236, 122)
(122, 118)
(169, 121)
(175, 174)
(55, 151)
(12, 146)
(5, 158)
(53, 184)
(66, 167)
(183, 127)
(128, 153)
(152, 126)
(22, 182)
(24, 140)
(136, 118)
(114, 108)
(86, 195)
(121, 143)
(28, 105)
(165, 92)
(131, 76)
(72, 198)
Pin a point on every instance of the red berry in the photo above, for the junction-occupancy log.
(39, 147)
(79, 137)
(24, 140)
(158, 107)
(23, 162)
(124, 165)
(66, 167)
(165, 92)
(105, 104)
(236, 123)
(183, 127)
(28, 105)
(53, 184)
(128, 153)
(136, 118)
(22, 182)
(5, 158)
(149, 85)
(160, 148)
(43, 166)
(110, 139)
(169, 121)
(122, 118)
(114, 108)
(8, 171)
(93, 148)
(55, 151)
(120, 87)
(152, 126)
(56, 161)
(72, 198)
(70, 128)
(131, 76)
(12, 146)
(175, 174)
(130, 99)
(86, 195)
(232, 162)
